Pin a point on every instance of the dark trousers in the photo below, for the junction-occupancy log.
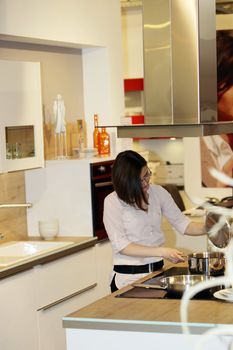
(113, 285)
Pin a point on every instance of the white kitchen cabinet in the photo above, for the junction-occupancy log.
(61, 278)
(33, 302)
(18, 321)
(51, 332)
(21, 129)
(62, 286)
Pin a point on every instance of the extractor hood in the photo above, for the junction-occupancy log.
(180, 71)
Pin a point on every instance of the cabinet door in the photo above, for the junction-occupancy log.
(21, 130)
(18, 321)
(61, 287)
(51, 333)
(58, 279)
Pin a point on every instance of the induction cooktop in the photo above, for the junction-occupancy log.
(145, 292)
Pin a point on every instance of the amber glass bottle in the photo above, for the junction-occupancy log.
(104, 142)
(96, 131)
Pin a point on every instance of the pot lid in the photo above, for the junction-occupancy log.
(218, 229)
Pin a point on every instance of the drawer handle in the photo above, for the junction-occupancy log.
(46, 307)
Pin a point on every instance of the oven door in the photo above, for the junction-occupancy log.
(101, 186)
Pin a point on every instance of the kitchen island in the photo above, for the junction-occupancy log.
(133, 323)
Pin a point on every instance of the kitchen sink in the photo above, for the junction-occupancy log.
(14, 252)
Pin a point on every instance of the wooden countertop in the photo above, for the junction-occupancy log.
(148, 314)
(78, 244)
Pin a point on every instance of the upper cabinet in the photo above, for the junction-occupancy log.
(21, 128)
(45, 28)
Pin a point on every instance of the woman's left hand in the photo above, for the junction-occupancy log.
(171, 254)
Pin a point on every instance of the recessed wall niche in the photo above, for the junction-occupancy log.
(61, 73)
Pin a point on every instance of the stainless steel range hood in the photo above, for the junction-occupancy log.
(180, 71)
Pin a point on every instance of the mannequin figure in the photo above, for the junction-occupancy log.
(60, 128)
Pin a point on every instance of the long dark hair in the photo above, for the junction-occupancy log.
(126, 180)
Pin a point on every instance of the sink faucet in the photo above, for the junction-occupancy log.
(16, 205)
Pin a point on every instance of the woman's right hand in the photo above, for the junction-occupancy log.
(171, 254)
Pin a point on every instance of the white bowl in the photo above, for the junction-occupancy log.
(48, 229)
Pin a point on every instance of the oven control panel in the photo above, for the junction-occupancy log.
(101, 170)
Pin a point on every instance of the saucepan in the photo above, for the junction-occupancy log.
(176, 285)
(207, 263)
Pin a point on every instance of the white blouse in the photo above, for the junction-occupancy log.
(125, 224)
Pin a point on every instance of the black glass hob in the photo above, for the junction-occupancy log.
(145, 292)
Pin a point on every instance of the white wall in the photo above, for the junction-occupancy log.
(61, 190)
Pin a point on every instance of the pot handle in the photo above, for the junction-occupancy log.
(148, 286)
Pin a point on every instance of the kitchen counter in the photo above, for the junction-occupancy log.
(78, 244)
(149, 315)
(36, 293)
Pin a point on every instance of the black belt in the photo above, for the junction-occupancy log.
(132, 269)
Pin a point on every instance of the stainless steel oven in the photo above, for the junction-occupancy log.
(101, 186)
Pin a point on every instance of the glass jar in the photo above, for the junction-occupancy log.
(103, 142)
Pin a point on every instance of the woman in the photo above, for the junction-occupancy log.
(132, 218)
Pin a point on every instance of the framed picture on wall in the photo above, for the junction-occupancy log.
(193, 181)
(217, 150)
